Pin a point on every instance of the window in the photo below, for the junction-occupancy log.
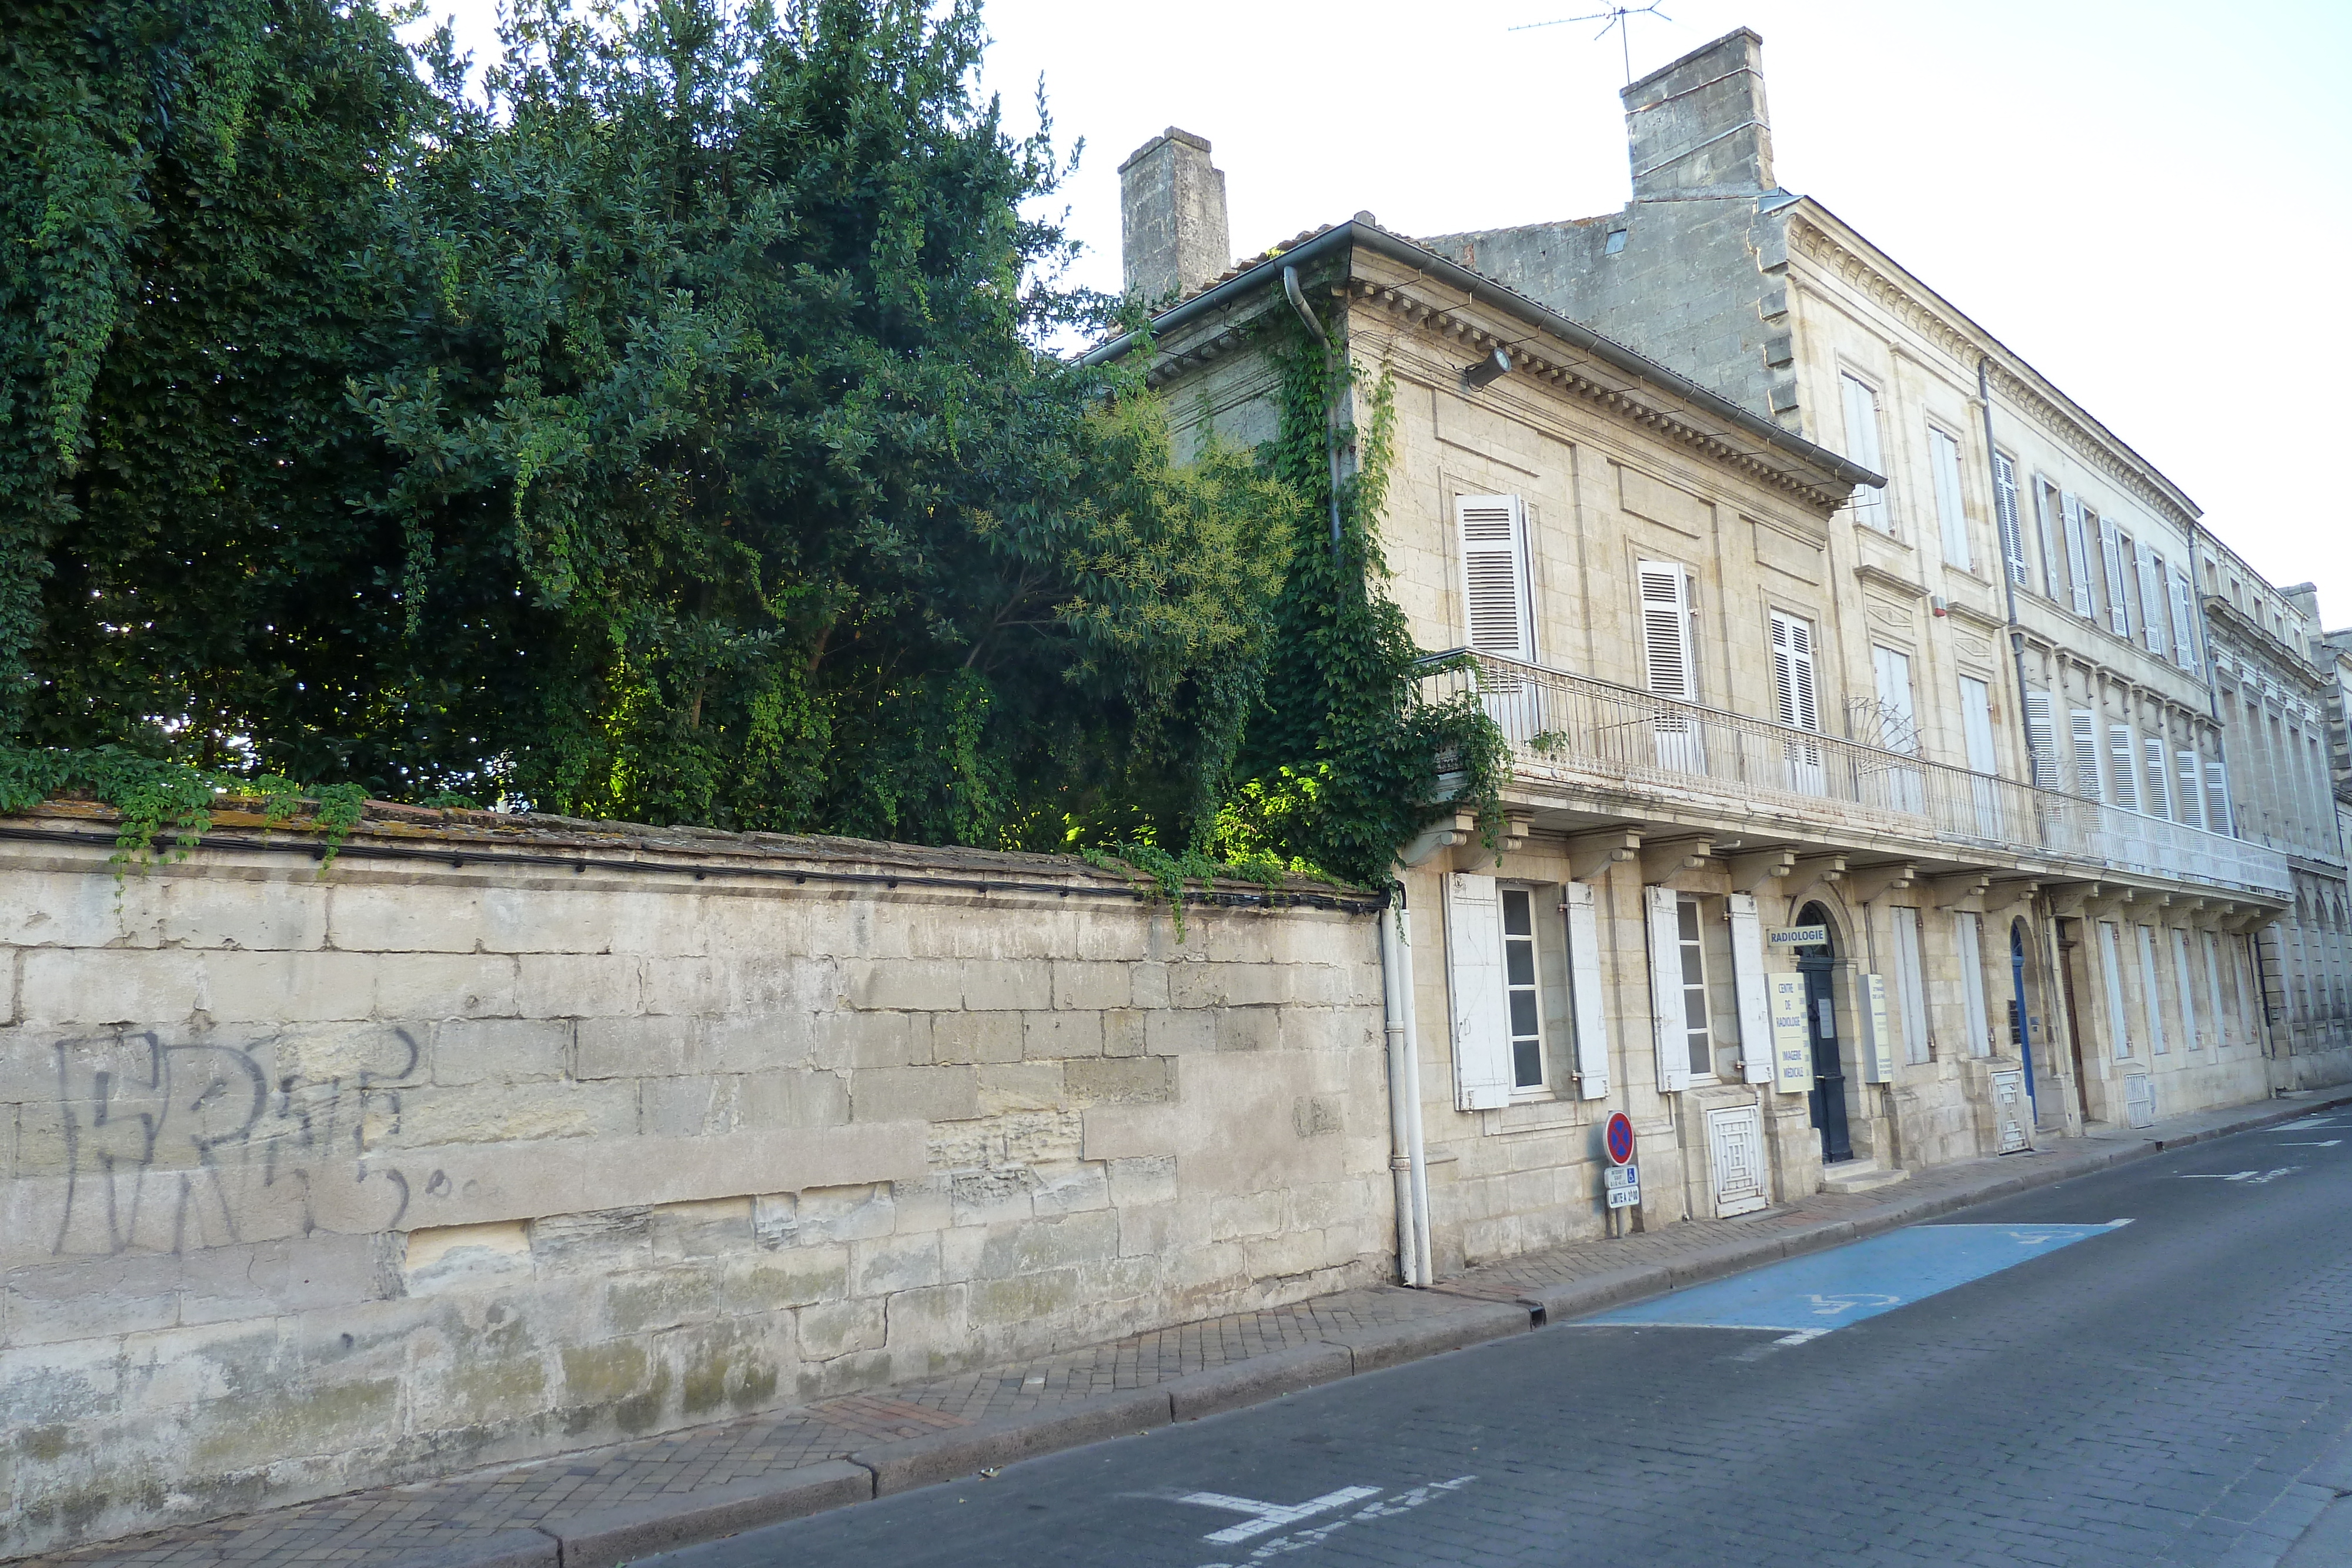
(2122, 768)
(2193, 793)
(1861, 445)
(2159, 790)
(2078, 554)
(1898, 725)
(2011, 526)
(2041, 735)
(1519, 989)
(2046, 525)
(2219, 817)
(1697, 1031)
(2187, 988)
(2112, 540)
(2184, 622)
(1944, 463)
(2213, 985)
(2153, 575)
(1667, 665)
(2111, 961)
(1496, 598)
(2150, 997)
(1967, 937)
(1796, 702)
(2085, 735)
(1911, 989)
(1976, 732)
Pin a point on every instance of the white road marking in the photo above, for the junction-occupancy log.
(2257, 1178)
(2306, 1125)
(1402, 1502)
(2306, 1143)
(1271, 1515)
(1800, 1336)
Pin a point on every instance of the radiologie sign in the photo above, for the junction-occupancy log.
(1792, 1049)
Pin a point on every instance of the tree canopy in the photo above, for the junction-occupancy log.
(664, 430)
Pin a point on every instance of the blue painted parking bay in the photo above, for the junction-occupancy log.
(1804, 1298)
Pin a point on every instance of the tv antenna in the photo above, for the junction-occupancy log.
(1613, 18)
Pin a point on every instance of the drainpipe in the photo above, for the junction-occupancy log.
(1297, 297)
(2009, 586)
(1407, 1163)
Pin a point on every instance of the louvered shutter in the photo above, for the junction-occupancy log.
(2185, 984)
(1584, 979)
(1792, 673)
(2219, 817)
(2111, 556)
(1910, 980)
(2078, 552)
(1748, 980)
(1976, 725)
(2152, 615)
(2214, 988)
(2192, 791)
(2122, 766)
(1968, 942)
(1495, 580)
(2087, 783)
(2184, 621)
(1670, 1030)
(2043, 735)
(2112, 961)
(2151, 997)
(1474, 977)
(2005, 513)
(1665, 630)
(1861, 445)
(1944, 459)
(2158, 799)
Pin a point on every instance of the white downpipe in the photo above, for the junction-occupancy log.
(1416, 1152)
(1396, 1006)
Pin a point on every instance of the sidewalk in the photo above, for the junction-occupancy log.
(608, 1506)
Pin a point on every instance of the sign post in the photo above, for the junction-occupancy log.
(1622, 1179)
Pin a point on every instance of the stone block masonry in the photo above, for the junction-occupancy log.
(505, 1136)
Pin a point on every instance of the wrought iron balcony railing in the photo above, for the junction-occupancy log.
(1575, 730)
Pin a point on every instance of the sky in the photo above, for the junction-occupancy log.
(2147, 202)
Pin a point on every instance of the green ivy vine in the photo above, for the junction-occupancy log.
(149, 797)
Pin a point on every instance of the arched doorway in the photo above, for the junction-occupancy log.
(1817, 964)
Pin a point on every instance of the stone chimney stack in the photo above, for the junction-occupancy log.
(1698, 127)
(1172, 211)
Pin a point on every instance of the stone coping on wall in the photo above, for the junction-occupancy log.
(388, 830)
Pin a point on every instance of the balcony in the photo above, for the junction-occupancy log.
(1605, 751)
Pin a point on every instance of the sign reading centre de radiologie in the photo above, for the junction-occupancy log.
(1792, 1048)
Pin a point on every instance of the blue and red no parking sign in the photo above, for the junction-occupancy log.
(1621, 1138)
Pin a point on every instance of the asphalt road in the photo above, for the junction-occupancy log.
(2177, 1390)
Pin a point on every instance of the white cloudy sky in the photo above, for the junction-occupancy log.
(2148, 201)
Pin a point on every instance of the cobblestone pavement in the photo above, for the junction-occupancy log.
(366, 1530)
(2177, 1393)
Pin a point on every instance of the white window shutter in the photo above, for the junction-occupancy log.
(1665, 630)
(1474, 976)
(2087, 781)
(2219, 817)
(2112, 961)
(2043, 735)
(2122, 766)
(1910, 982)
(2184, 983)
(2192, 790)
(2111, 556)
(2159, 801)
(1670, 1027)
(1975, 726)
(2213, 986)
(1861, 445)
(2184, 621)
(2152, 998)
(2151, 597)
(1968, 940)
(2012, 526)
(1584, 979)
(1748, 980)
(1794, 695)
(2078, 551)
(1496, 593)
(1944, 460)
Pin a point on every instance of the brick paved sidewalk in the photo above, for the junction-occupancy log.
(607, 1505)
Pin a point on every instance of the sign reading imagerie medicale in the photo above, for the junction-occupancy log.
(1793, 1045)
(1782, 936)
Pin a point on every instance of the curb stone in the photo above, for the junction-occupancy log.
(507, 1549)
(1392, 1345)
(1237, 1384)
(944, 1455)
(609, 1537)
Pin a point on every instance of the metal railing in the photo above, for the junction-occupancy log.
(1576, 729)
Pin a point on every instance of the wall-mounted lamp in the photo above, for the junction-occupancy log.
(1488, 370)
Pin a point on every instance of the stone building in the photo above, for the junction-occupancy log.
(2276, 689)
(1790, 879)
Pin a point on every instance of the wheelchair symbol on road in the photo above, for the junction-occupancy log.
(1853, 1301)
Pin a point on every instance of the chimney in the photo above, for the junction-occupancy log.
(1698, 127)
(1171, 216)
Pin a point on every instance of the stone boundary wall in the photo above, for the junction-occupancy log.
(480, 1146)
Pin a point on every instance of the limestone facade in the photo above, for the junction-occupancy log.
(1742, 704)
(502, 1137)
